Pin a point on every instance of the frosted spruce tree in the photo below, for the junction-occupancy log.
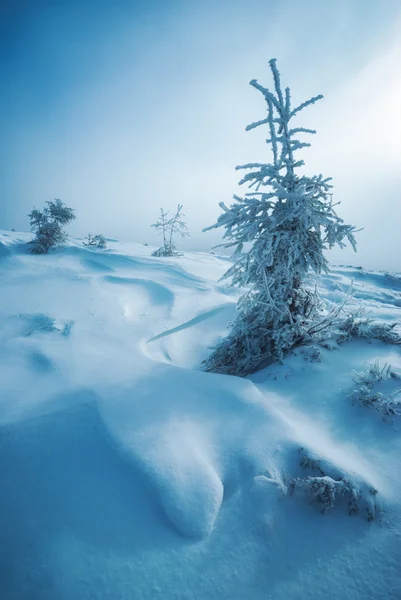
(288, 219)
(48, 226)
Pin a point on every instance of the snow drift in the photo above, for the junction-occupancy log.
(127, 472)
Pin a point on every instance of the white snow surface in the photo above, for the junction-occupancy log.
(128, 473)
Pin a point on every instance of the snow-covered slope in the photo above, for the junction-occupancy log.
(128, 473)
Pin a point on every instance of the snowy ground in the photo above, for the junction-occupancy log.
(128, 473)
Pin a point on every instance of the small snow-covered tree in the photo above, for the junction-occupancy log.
(98, 241)
(48, 225)
(289, 221)
(169, 228)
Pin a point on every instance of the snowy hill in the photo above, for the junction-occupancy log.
(128, 473)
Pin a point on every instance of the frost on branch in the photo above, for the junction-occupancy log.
(169, 228)
(47, 225)
(290, 220)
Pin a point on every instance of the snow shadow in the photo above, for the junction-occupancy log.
(62, 477)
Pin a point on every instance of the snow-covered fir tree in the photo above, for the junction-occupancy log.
(288, 219)
(48, 226)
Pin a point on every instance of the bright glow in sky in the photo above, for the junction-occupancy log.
(119, 108)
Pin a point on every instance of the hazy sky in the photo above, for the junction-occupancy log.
(121, 107)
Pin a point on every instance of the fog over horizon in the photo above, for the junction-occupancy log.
(120, 108)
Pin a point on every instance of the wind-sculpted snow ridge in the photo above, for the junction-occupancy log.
(128, 472)
(374, 289)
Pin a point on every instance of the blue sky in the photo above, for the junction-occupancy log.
(121, 107)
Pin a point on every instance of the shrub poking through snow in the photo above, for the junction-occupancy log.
(387, 404)
(48, 226)
(326, 491)
(97, 241)
(311, 463)
(359, 324)
(375, 374)
(289, 221)
(312, 354)
(169, 228)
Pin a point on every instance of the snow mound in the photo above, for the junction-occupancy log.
(188, 486)
(187, 444)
